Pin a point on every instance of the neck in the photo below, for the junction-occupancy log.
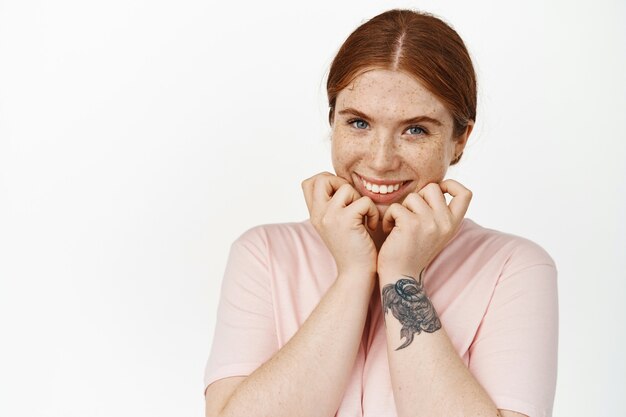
(378, 236)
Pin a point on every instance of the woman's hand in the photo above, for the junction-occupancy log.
(337, 212)
(420, 227)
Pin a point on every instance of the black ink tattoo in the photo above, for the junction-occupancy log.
(409, 304)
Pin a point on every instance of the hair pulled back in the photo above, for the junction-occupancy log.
(419, 44)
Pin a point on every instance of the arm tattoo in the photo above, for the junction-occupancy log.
(409, 304)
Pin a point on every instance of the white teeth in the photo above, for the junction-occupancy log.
(381, 189)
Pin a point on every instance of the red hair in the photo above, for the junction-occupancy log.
(419, 44)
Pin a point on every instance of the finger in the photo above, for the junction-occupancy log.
(461, 197)
(433, 196)
(344, 196)
(307, 190)
(416, 204)
(311, 180)
(392, 215)
(325, 186)
(364, 206)
(308, 187)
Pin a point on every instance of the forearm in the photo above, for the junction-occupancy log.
(307, 377)
(428, 377)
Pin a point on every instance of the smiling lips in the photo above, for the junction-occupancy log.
(381, 191)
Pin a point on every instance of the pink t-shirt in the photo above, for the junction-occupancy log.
(495, 293)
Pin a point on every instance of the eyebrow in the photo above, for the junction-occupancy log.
(417, 119)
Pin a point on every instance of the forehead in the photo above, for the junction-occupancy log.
(391, 95)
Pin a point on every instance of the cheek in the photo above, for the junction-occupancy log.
(439, 162)
(344, 151)
(430, 162)
(436, 170)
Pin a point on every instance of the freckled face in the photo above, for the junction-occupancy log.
(389, 130)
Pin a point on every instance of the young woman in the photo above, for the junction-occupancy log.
(387, 301)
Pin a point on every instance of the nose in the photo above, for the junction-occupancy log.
(384, 153)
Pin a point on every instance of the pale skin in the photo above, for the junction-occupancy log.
(373, 243)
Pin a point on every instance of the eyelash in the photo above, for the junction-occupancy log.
(352, 122)
(424, 131)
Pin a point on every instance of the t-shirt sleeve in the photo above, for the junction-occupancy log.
(245, 333)
(514, 353)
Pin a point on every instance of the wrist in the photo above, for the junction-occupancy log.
(359, 282)
(392, 275)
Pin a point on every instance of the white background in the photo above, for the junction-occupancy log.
(139, 138)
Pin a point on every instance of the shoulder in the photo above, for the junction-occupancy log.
(475, 239)
(294, 257)
(283, 238)
(275, 232)
(490, 246)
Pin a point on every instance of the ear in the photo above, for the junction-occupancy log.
(461, 140)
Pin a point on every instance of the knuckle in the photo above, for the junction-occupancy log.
(414, 227)
(344, 189)
(324, 221)
(431, 186)
(411, 198)
(431, 228)
(328, 218)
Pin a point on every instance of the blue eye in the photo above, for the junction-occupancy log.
(416, 130)
(358, 123)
